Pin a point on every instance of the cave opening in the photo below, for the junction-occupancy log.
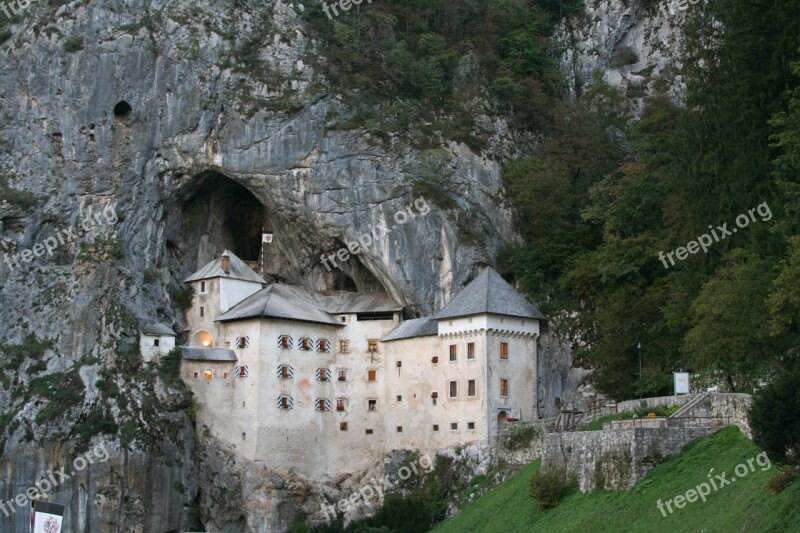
(220, 214)
(122, 109)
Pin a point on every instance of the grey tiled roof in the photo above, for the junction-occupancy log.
(208, 354)
(489, 293)
(357, 302)
(157, 330)
(238, 270)
(418, 327)
(279, 300)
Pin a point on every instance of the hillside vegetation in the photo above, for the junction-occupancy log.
(740, 506)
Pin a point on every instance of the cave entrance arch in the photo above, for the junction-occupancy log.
(218, 214)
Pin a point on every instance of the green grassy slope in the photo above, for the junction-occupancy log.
(740, 506)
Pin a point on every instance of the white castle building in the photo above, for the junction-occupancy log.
(328, 382)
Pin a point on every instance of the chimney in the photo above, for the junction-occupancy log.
(226, 263)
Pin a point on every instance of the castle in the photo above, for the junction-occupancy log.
(329, 382)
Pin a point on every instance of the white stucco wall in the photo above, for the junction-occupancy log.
(150, 351)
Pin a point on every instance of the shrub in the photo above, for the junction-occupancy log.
(776, 484)
(183, 297)
(519, 436)
(548, 487)
(773, 418)
(73, 44)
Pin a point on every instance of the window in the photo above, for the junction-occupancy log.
(305, 344)
(196, 375)
(452, 352)
(454, 426)
(453, 389)
(208, 374)
(242, 342)
(285, 402)
(344, 346)
(202, 286)
(156, 342)
(202, 311)
(436, 427)
(471, 350)
(471, 387)
(434, 395)
(372, 405)
(372, 345)
(342, 426)
(284, 342)
(399, 397)
(368, 431)
(343, 318)
(323, 374)
(225, 375)
(503, 387)
(342, 375)
(324, 345)
(372, 375)
(244, 436)
(503, 350)
(399, 364)
(340, 404)
(470, 425)
(435, 359)
(285, 372)
(399, 429)
(322, 404)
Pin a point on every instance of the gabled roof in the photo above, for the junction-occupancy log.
(208, 354)
(238, 270)
(157, 330)
(417, 327)
(357, 302)
(489, 293)
(279, 300)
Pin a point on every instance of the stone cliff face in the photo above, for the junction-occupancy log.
(198, 124)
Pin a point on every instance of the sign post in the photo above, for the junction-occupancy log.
(681, 382)
(266, 238)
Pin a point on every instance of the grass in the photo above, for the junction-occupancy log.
(742, 506)
(641, 412)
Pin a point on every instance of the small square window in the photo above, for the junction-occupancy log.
(372, 405)
(399, 364)
(436, 427)
(343, 318)
(453, 352)
(342, 426)
(156, 342)
(196, 375)
(324, 346)
(454, 426)
(399, 429)
(342, 375)
(244, 436)
(340, 405)
(372, 375)
(202, 286)
(305, 344)
(435, 359)
(471, 350)
(225, 375)
(208, 374)
(344, 346)
(372, 345)
(470, 425)
(399, 397)
(368, 431)
(285, 342)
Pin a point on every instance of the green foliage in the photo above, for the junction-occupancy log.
(182, 297)
(21, 199)
(73, 44)
(548, 487)
(169, 368)
(773, 417)
(63, 391)
(517, 437)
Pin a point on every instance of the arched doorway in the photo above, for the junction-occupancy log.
(501, 419)
(202, 339)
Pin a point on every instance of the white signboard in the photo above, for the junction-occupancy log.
(47, 517)
(681, 382)
(266, 238)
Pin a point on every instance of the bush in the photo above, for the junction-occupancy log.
(519, 436)
(73, 44)
(773, 418)
(548, 487)
(776, 484)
